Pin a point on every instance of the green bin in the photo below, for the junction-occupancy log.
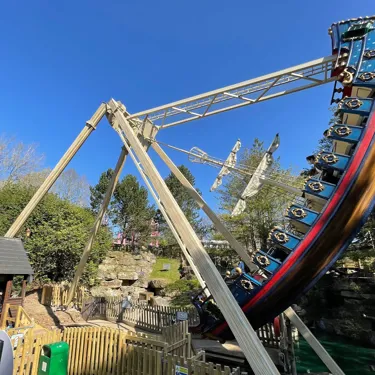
(54, 359)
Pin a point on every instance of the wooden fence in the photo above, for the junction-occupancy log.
(105, 351)
(149, 318)
(57, 295)
(14, 316)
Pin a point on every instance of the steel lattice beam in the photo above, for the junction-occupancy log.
(283, 82)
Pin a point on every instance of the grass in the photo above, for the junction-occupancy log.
(171, 276)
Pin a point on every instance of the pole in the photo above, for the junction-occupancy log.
(313, 342)
(250, 344)
(87, 250)
(55, 173)
(168, 220)
(206, 209)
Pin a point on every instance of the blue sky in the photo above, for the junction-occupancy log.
(60, 60)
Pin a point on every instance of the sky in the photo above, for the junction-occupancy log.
(60, 60)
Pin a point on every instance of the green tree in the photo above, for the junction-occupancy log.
(131, 212)
(264, 210)
(59, 232)
(97, 192)
(189, 207)
(188, 204)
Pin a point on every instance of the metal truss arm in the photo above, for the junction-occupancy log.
(283, 82)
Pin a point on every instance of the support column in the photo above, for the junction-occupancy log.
(313, 342)
(167, 219)
(55, 173)
(206, 209)
(250, 344)
(98, 221)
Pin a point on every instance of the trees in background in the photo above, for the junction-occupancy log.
(264, 210)
(189, 207)
(17, 159)
(59, 232)
(129, 211)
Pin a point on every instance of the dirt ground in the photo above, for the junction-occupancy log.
(45, 316)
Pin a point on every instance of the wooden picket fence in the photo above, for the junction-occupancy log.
(57, 295)
(105, 351)
(149, 318)
(14, 316)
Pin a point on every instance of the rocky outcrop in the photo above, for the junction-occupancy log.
(343, 306)
(121, 273)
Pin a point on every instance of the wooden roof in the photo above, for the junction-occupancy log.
(13, 257)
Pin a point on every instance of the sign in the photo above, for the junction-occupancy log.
(181, 315)
(166, 267)
(6, 354)
(181, 370)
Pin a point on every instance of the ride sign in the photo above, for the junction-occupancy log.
(181, 316)
(181, 370)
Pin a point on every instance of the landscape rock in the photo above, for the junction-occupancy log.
(127, 276)
(159, 301)
(113, 284)
(122, 272)
(158, 283)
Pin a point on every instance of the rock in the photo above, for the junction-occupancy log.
(158, 283)
(141, 283)
(112, 284)
(100, 291)
(159, 301)
(127, 276)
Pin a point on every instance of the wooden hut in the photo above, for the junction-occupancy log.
(13, 262)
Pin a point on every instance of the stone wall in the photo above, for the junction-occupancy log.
(338, 305)
(122, 272)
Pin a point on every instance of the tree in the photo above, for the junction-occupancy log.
(264, 210)
(69, 186)
(97, 192)
(17, 159)
(187, 203)
(59, 232)
(72, 187)
(130, 211)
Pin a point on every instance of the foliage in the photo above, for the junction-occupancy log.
(59, 232)
(131, 212)
(264, 210)
(188, 205)
(69, 186)
(183, 291)
(97, 192)
(172, 275)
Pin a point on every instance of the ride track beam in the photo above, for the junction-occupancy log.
(300, 77)
(247, 338)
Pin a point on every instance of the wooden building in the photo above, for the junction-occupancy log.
(13, 262)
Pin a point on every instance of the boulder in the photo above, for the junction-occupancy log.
(141, 283)
(127, 276)
(159, 301)
(157, 283)
(112, 284)
(100, 291)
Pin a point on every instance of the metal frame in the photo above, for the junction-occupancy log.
(135, 129)
(300, 77)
